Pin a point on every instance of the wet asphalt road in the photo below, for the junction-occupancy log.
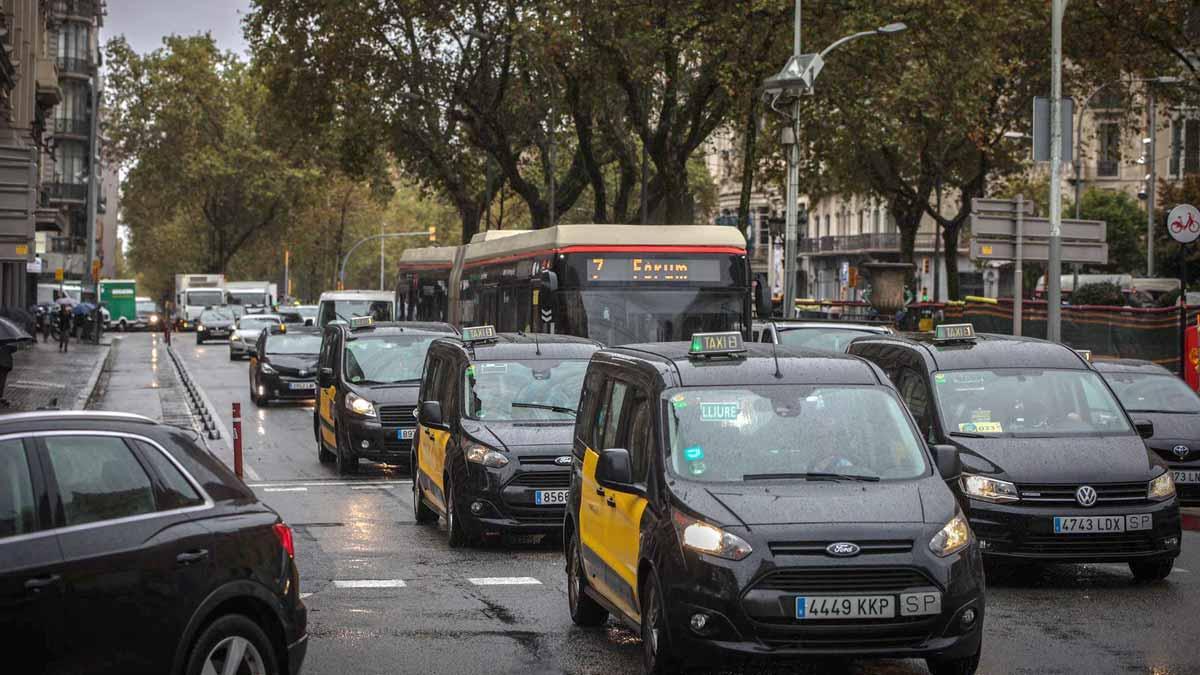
(386, 595)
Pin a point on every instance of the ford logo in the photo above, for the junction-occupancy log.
(843, 549)
(1086, 495)
(1181, 451)
(563, 461)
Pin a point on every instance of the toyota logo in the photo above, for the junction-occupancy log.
(303, 373)
(1086, 495)
(563, 461)
(843, 549)
(1181, 451)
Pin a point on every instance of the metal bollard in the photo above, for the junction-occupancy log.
(237, 439)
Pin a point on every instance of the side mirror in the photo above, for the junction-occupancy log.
(550, 280)
(1145, 428)
(948, 462)
(325, 377)
(615, 469)
(430, 414)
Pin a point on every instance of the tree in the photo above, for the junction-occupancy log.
(1126, 229)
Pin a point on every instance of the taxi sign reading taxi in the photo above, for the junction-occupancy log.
(358, 322)
(954, 331)
(708, 344)
(1184, 223)
(479, 333)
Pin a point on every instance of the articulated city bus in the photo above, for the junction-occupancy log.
(617, 284)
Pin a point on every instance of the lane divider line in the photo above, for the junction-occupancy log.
(372, 487)
(286, 489)
(505, 581)
(327, 484)
(369, 583)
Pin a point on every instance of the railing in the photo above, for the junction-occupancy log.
(68, 245)
(69, 64)
(67, 191)
(862, 243)
(71, 125)
(1108, 168)
(85, 8)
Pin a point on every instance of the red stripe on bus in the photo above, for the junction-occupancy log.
(729, 250)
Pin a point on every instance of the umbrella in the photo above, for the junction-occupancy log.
(10, 332)
(84, 308)
(67, 300)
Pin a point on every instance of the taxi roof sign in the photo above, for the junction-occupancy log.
(358, 322)
(952, 332)
(1085, 353)
(715, 344)
(479, 333)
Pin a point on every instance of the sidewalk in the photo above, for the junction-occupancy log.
(140, 378)
(44, 377)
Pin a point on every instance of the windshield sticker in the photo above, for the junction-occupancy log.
(492, 368)
(679, 401)
(981, 415)
(939, 378)
(470, 371)
(720, 412)
(697, 468)
(981, 427)
(693, 453)
(967, 378)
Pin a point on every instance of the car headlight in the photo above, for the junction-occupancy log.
(200, 327)
(481, 454)
(359, 405)
(952, 538)
(988, 489)
(267, 369)
(1162, 487)
(153, 318)
(705, 538)
(235, 338)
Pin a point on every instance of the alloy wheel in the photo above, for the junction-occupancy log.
(235, 655)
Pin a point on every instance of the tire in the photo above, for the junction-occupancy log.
(231, 356)
(346, 466)
(1152, 570)
(233, 630)
(421, 511)
(658, 656)
(200, 341)
(456, 531)
(964, 666)
(585, 611)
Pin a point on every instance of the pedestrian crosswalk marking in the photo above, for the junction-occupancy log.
(369, 583)
(505, 581)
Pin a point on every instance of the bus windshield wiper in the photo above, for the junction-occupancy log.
(814, 475)
(545, 406)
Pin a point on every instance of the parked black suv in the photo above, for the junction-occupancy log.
(126, 548)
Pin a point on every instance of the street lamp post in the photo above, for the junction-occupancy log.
(797, 78)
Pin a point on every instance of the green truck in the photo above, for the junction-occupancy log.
(119, 297)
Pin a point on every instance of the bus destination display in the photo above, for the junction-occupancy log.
(601, 268)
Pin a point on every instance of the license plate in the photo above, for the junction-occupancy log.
(1186, 476)
(302, 385)
(1095, 524)
(923, 603)
(405, 434)
(846, 607)
(550, 496)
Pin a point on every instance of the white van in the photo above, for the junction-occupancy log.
(345, 305)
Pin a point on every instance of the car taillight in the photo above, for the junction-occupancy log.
(284, 534)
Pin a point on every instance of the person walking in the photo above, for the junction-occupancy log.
(6, 366)
(64, 328)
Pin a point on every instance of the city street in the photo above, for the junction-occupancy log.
(388, 596)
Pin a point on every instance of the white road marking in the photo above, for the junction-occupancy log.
(250, 472)
(369, 583)
(329, 484)
(505, 581)
(372, 487)
(305, 595)
(287, 489)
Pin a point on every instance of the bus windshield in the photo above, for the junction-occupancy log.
(623, 316)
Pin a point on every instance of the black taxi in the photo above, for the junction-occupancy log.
(493, 448)
(736, 500)
(368, 375)
(1054, 469)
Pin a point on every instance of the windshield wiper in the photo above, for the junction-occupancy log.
(815, 475)
(1165, 412)
(545, 406)
(966, 434)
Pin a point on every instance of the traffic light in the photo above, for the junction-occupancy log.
(925, 265)
(432, 233)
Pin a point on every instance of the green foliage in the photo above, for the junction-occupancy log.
(1103, 293)
(1126, 221)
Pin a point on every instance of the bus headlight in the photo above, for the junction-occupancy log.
(952, 538)
(704, 538)
(1162, 487)
(481, 454)
(988, 489)
(359, 405)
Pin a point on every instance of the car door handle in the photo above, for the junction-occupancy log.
(600, 491)
(612, 502)
(38, 583)
(192, 556)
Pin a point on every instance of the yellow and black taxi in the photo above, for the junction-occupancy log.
(737, 501)
(1155, 394)
(1054, 469)
(368, 375)
(283, 365)
(493, 448)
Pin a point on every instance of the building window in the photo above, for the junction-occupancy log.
(1185, 146)
(1108, 162)
(74, 42)
(763, 221)
(70, 163)
(828, 230)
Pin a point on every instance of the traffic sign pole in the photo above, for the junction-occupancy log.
(1019, 270)
(1183, 282)
(1183, 224)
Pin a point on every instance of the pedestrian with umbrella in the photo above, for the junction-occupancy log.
(10, 335)
(64, 325)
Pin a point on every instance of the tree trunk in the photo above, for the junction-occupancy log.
(950, 234)
(750, 135)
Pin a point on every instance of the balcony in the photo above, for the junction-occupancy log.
(68, 245)
(70, 126)
(49, 93)
(66, 192)
(862, 244)
(79, 67)
(85, 9)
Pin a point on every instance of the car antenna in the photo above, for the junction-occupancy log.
(775, 353)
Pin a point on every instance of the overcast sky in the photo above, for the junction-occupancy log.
(144, 23)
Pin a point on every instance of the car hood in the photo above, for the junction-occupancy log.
(1078, 459)
(388, 394)
(810, 502)
(217, 324)
(248, 333)
(1171, 426)
(294, 362)
(513, 436)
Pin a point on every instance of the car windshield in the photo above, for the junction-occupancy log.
(791, 431)
(205, 298)
(146, 307)
(1027, 402)
(824, 339)
(306, 312)
(380, 310)
(1146, 392)
(386, 359)
(217, 314)
(251, 322)
(541, 389)
(294, 344)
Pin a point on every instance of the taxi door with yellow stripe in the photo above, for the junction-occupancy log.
(610, 518)
(327, 396)
(437, 385)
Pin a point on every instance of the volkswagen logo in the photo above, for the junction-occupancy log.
(563, 461)
(1086, 495)
(843, 549)
(1181, 451)
(416, 412)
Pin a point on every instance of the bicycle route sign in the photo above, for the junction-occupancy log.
(1184, 223)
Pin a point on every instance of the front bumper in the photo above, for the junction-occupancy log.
(1027, 532)
(279, 386)
(1187, 493)
(214, 334)
(371, 440)
(507, 497)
